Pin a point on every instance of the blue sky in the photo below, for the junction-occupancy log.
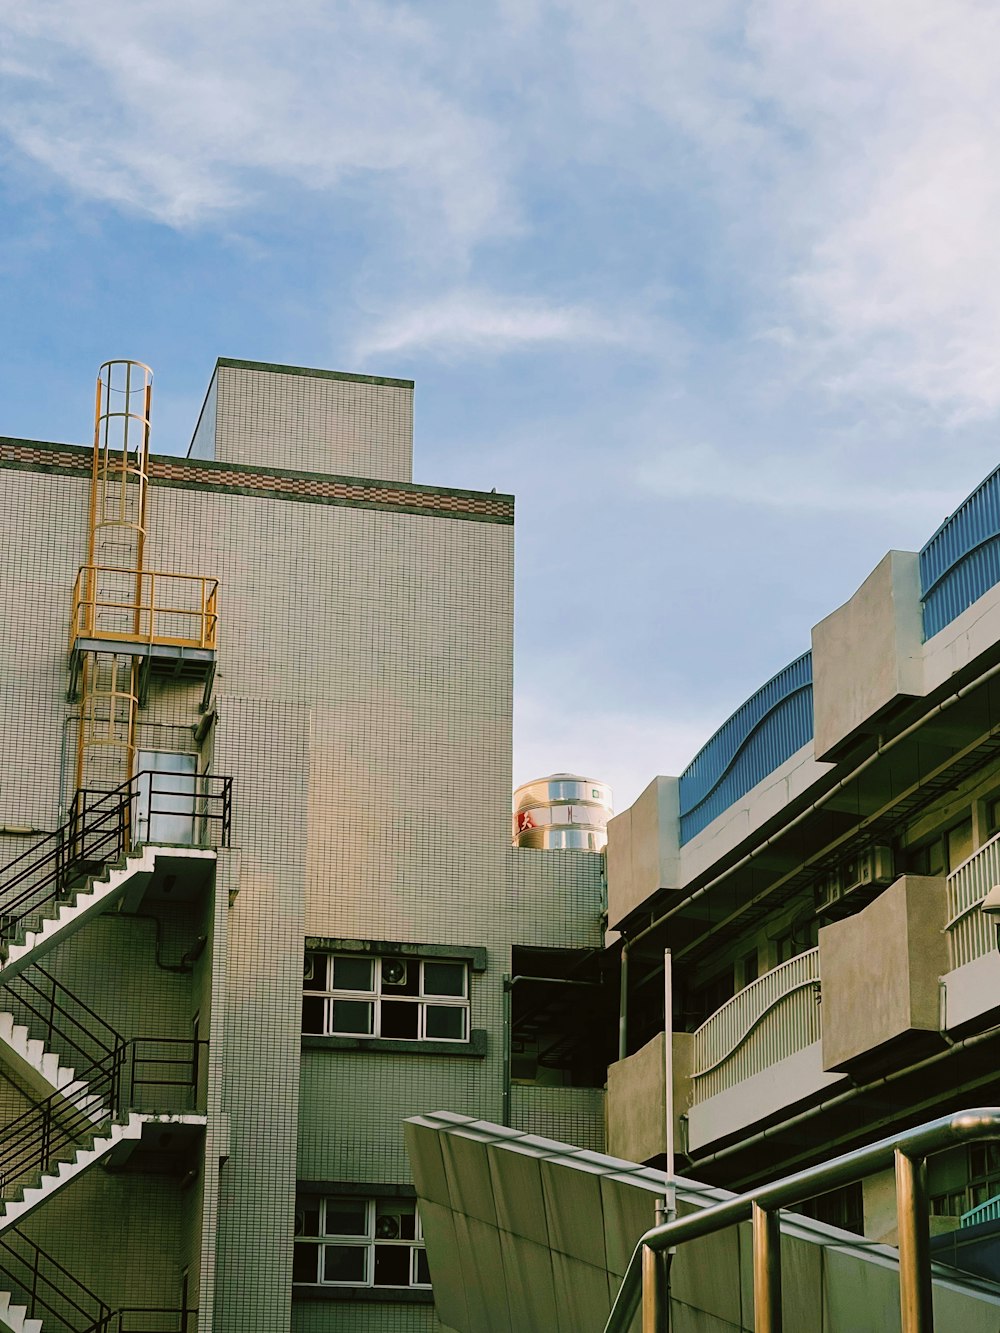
(712, 288)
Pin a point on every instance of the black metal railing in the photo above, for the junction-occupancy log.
(49, 1290)
(54, 1295)
(132, 1077)
(102, 828)
(150, 1319)
(65, 1023)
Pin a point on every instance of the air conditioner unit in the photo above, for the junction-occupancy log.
(387, 1227)
(870, 869)
(828, 890)
(393, 972)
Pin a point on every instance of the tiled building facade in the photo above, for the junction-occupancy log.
(361, 706)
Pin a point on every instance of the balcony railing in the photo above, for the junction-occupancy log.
(149, 606)
(970, 933)
(986, 1212)
(773, 1017)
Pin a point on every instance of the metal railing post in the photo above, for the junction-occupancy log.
(766, 1269)
(654, 1293)
(656, 1282)
(915, 1292)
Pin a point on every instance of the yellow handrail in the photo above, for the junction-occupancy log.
(158, 602)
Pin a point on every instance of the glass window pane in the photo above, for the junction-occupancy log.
(352, 973)
(346, 1217)
(305, 1263)
(392, 1265)
(313, 1010)
(444, 978)
(352, 1016)
(307, 1218)
(400, 1018)
(395, 1219)
(422, 1275)
(344, 1263)
(446, 1022)
(400, 976)
(959, 843)
(314, 972)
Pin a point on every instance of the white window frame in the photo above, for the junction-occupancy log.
(368, 1242)
(381, 991)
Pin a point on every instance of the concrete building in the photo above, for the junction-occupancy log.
(819, 874)
(260, 901)
(825, 875)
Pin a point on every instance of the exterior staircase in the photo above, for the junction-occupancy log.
(48, 1182)
(63, 915)
(14, 1318)
(84, 1079)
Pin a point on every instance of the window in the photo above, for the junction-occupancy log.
(748, 968)
(842, 1208)
(406, 999)
(346, 1241)
(982, 1176)
(943, 853)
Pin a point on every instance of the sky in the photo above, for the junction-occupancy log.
(711, 288)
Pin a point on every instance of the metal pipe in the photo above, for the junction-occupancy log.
(655, 1292)
(881, 749)
(766, 1269)
(653, 1320)
(623, 1005)
(505, 1095)
(668, 1082)
(946, 1131)
(915, 1292)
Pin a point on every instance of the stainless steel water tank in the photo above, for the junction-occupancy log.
(563, 810)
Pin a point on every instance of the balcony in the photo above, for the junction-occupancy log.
(169, 621)
(971, 934)
(760, 1053)
(973, 980)
(768, 1020)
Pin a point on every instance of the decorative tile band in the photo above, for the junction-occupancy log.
(279, 485)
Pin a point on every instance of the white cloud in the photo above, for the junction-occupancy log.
(849, 146)
(811, 481)
(470, 322)
(188, 111)
(843, 152)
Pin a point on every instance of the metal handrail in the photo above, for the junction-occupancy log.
(142, 1318)
(723, 1032)
(58, 1297)
(102, 829)
(55, 1129)
(908, 1151)
(970, 935)
(53, 1299)
(57, 1011)
(987, 1211)
(143, 605)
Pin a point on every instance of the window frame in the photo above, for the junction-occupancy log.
(375, 1206)
(380, 992)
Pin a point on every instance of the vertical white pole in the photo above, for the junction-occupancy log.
(668, 1078)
